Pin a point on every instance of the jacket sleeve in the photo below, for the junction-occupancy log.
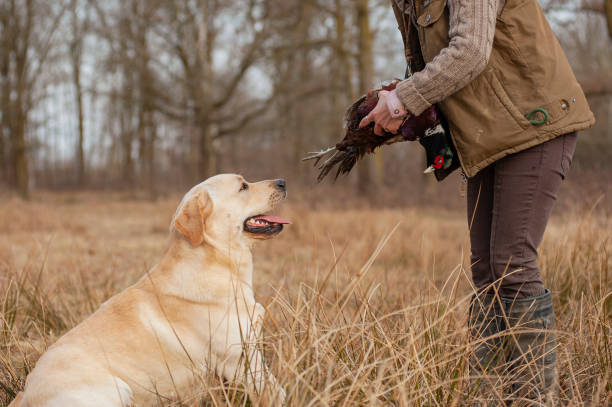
(471, 32)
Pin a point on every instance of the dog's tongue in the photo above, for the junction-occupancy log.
(274, 219)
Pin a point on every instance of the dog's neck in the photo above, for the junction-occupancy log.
(186, 271)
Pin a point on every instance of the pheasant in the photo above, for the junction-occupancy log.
(428, 128)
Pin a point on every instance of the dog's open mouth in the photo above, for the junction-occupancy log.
(264, 224)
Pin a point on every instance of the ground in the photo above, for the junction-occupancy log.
(364, 307)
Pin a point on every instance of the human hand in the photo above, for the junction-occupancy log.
(388, 115)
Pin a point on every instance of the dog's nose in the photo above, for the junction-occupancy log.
(281, 184)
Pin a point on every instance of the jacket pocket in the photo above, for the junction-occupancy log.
(504, 99)
(432, 13)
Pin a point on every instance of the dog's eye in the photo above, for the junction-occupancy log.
(244, 186)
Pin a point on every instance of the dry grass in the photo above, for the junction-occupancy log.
(364, 307)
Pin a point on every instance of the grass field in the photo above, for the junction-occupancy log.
(365, 307)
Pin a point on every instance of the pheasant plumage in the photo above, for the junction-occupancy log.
(427, 128)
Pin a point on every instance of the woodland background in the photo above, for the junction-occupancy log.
(152, 96)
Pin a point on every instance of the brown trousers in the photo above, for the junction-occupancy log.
(509, 204)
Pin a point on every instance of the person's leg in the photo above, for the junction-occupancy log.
(525, 189)
(485, 315)
(479, 215)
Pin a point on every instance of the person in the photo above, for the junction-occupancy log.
(513, 107)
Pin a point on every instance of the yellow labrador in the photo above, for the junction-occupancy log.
(194, 310)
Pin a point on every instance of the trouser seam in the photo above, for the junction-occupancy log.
(525, 228)
(493, 234)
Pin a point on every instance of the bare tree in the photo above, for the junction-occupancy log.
(181, 90)
(76, 49)
(343, 92)
(28, 28)
(366, 75)
(5, 90)
(143, 15)
(608, 11)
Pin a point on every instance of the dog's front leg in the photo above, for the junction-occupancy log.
(259, 376)
(244, 361)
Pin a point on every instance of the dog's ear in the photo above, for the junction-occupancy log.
(192, 216)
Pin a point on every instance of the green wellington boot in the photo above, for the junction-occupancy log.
(530, 346)
(486, 323)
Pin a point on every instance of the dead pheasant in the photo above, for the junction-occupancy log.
(427, 128)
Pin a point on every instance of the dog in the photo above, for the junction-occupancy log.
(194, 310)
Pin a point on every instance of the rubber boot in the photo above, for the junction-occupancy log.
(486, 322)
(531, 350)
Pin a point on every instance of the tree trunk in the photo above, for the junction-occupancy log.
(347, 68)
(75, 51)
(151, 181)
(128, 163)
(366, 73)
(208, 159)
(20, 158)
(301, 119)
(146, 150)
(2, 155)
(205, 77)
(608, 10)
(141, 131)
(303, 76)
(146, 139)
(146, 124)
(379, 167)
(342, 86)
(80, 150)
(127, 171)
(20, 107)
(4, 106)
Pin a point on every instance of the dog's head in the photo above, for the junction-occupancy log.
(227, 208)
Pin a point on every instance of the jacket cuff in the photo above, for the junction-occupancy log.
(411, 98)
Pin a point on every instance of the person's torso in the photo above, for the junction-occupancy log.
(527, 73)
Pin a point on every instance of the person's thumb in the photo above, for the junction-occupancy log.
(365, 121)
